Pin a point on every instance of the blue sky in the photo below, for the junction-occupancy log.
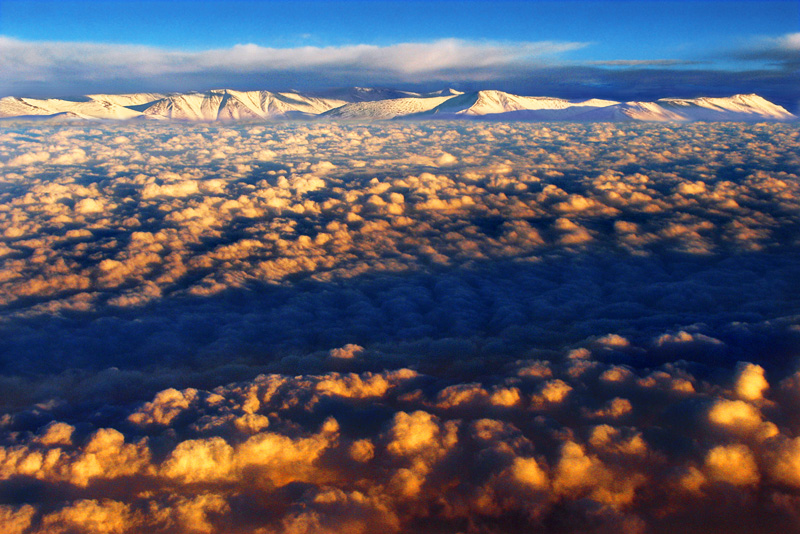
(595, 40)
(616, 30)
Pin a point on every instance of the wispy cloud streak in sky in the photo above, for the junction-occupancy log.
(57, 63)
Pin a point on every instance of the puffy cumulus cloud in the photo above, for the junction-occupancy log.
(614, 409)
(528, 472)
(537, 368)
(750, 382)
(105, 456)
(276, 459)
(368, 385)
(102, 516)
(56, 433)
(580, 474)
(684, 338)
(739, 417)
(609, 439)
(677, 382)
(400, 327)
(735, 415)
(347, 352)
(74, 156)
(616, 373)
(193, 514)
(16, 520)
(362, 450)
(733, 464)
(200, 460)
(552, 392)
(461, 394)
(167, 405)
(613, 341)
(784, 462)
(176, 189)
(28, 158)
(332, 510)
(420, 434)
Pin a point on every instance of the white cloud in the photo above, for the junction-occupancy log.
(46, 62)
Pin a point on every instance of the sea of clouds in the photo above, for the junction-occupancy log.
(448, 327)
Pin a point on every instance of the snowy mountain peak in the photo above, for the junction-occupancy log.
(445, 92)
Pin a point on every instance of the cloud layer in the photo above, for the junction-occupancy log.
(401, 327)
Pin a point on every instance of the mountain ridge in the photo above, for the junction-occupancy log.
(366, 104)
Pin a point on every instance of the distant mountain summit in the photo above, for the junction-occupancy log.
(365, 104)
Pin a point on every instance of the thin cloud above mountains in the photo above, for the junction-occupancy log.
(458, 60)
(784, 50)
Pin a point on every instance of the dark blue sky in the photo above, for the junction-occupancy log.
(597, 39)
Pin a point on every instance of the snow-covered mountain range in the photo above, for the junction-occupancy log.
(371, 104)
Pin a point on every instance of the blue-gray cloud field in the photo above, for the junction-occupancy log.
(401, 327)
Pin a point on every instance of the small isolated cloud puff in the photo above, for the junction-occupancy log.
(750, 382)
(347, 352)
(734, 464)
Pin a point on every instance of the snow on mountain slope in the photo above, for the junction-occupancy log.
(66, 116)
(190, 106)
(241, 106)
(130, 99)
(225, 104)
(100, 110)
(497, 103)
(554, 113)
(90, 109)
(595, 103)
(736, 107)
(268, 104)
(630, 111)
(386, 109)
(12, 106)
